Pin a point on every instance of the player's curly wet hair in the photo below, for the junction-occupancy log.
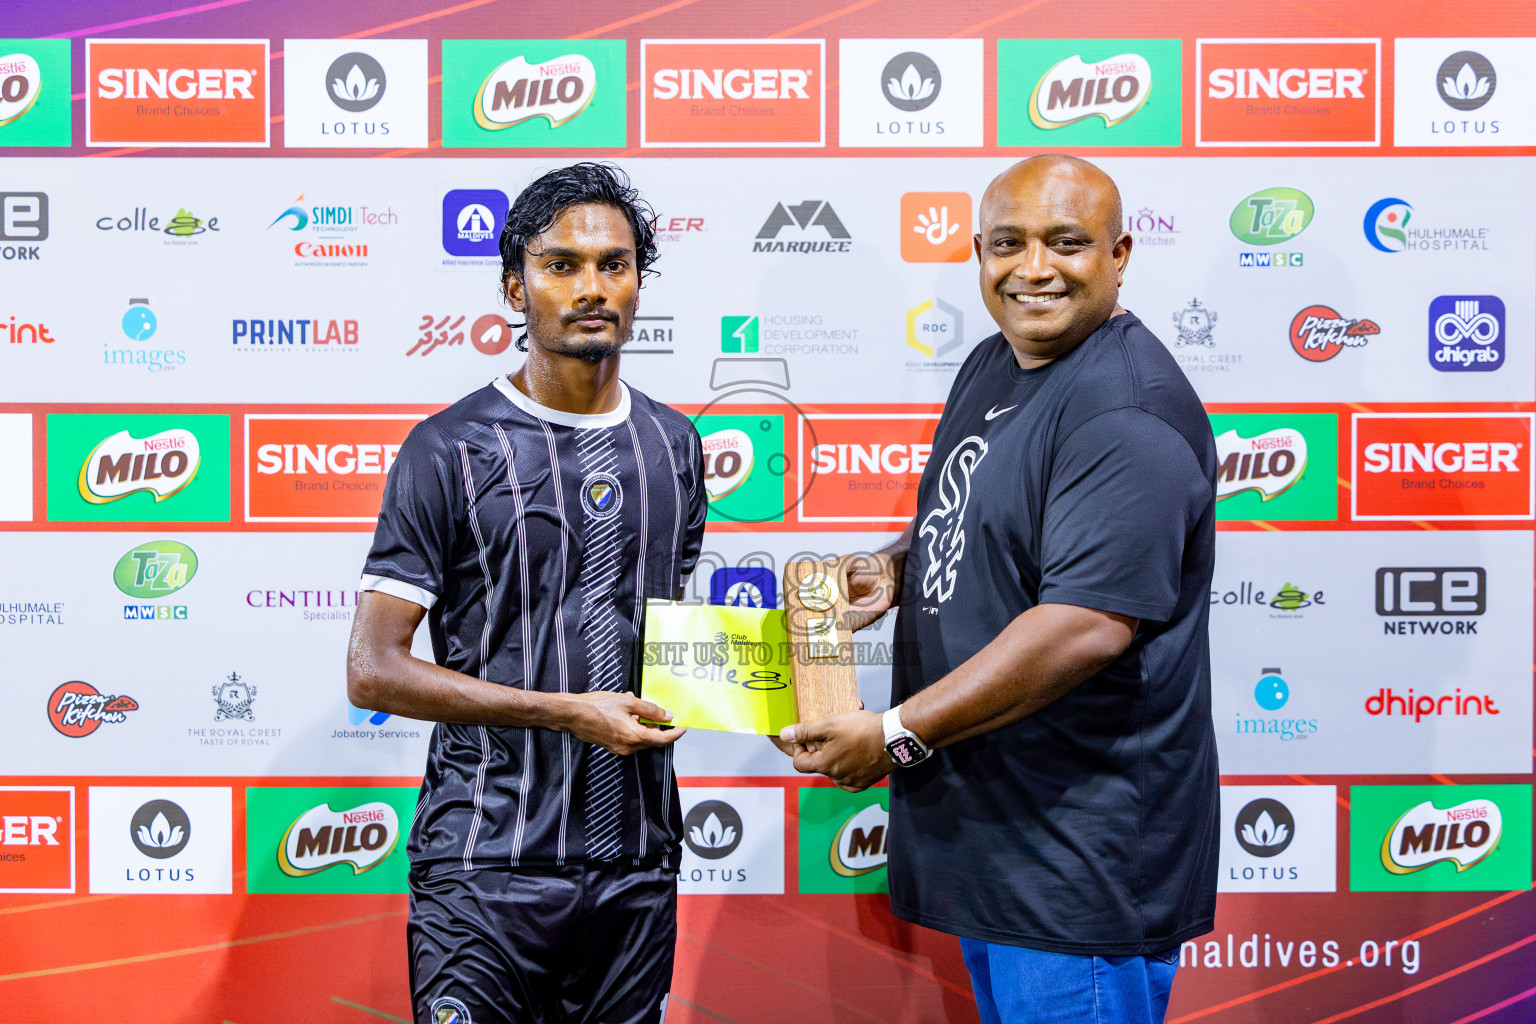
(539, 205)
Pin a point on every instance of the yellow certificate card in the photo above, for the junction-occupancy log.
(718, 667)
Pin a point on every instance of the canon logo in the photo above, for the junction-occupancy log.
(736, 84)
(1291, 83)
(870, 458)
(180, 83)
(1449, 457)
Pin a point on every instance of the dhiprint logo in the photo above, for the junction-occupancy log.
(712, 829)
(936, 227)
(355, 82)
(1111, 89)
(1318, 333)
(943, 529)
(1386, 222)
(911, 81)
(517, 91)
(1265, 827)
(1466, 333)
(1466, 80)
(160, 829)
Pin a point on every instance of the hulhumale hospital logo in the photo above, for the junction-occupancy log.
(1385, 224)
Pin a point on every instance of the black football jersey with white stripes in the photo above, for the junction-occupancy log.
(533, 537)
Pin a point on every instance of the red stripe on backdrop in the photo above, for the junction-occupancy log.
(1437, 979)
(1512, 1000)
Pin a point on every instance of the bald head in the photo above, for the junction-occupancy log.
(1053, 173)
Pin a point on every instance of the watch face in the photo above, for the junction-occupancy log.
(905, 751)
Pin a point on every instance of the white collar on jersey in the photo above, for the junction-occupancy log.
(564, 419)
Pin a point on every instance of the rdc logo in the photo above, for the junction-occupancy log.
(1466, 333)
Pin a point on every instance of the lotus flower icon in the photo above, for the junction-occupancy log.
(1467, 85)
(160, 833)
(912, 86)
(713, 835)
(1264, 831)
(357, 88)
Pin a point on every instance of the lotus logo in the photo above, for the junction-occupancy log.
(20, 82)
(712, 829)
(160, 829)
(1270, 463)
(1425, 835)
(1466, 80)
(356, 82)
(161, 464)
(1264, 827)
(911, 81)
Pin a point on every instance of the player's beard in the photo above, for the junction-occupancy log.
(588, 350)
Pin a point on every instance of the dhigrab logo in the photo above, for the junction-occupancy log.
(1466, 333)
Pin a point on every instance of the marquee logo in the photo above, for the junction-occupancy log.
(1269, 464)
(361, 837)
(1096, 92)
(1463, 834)
(733, 93)
(35, 92)
(1318, 333)
(37, 839)
(157, 568)
(532, 92)
(165, 92)
(1288, 92)
(800, 218)
(320, 469)
(1465, 466)
(864, 467)
(1111, 89)
(1466, 333)
(517, 91)
(122, 464)
(78, 709)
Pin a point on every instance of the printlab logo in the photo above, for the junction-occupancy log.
(78, 709)
(911, 81)
(800, 219)
(355, 82)
(1466, 333)
(1466, 80)
(1318, 333)
(234, 699)
(936, 227)
(489, 334)
(712, 829)
(160, 829)
(1265, 827)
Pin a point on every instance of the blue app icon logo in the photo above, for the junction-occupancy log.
(139, 323)
(1272, 692)
(472, 221)
(357, 716)
(747, 588)
(1466, 333)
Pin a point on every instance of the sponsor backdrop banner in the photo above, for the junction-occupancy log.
(246, 247)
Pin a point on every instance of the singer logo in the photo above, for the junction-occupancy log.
(162, 92)
(1288, 92)
(37, 839)
(865, 466)
(936, 227)
(1460, 466)
(732, 93)
(122, 464)
(320, 469)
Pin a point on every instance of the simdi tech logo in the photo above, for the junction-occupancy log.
(534, 93)
(1466, 838)
(732, 93)
(34, 92)
(318, 840)
(107, 467)
(205, 93)
(1454, 466)
(326, 468)
(1089, 92)
(37, 839)
(1276, 466)
(1287, 92)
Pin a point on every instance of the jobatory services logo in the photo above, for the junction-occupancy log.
(320, 468)
(472, 223)
(37, 839)
(151, 839)
(489, 334)
(910, 92)
(865, 466)
(34, 92)
(1318, 333)
(733, 839)
(354, 94)
(204, 93)
(1467, 838)
(131, 467)
(936, 227)
(534, 93)
(843, 840)
(23, 223)
(1466, 333)
(77, 708)
(1278, 839)
(1276, 466)
(1464, 92)
(1288, 92)
(1456, 466)
(318, 840)
(1089, 92)
(1270, 217)
(732, 93)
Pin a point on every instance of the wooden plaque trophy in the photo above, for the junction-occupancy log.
(816, 600)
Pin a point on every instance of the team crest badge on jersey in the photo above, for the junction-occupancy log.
(448, 1010)
(601, 495)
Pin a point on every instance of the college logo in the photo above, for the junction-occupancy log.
(158, 568)
(1466, 333)
(1276, 466)
(936, 227)
(601, 495)
(1265, 828)
(1318, 333)
(321, 837)
(1194, 324)
(866, 466)
(910, 92)
(181, 229)
(943, 528)
(1271, 216)
(37, 839)
(1093, 92)
(1278, 839)
(34, 92)
(472, 222)
(1288, 600)
(168, 92)
(321, 469)
(78, 709)
(532, 92)
(800, 219)
(23, 218)
(732, 93)
(122, 464)
(1440, 838)
(744, 587)
(1466, 80)
(234, 699)
(322, 840)
(1464, 466)
(935, 328)
(1288, 92)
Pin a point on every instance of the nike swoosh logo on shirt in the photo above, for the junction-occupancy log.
(995, 412)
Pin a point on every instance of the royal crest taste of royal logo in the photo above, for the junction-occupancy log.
(78, 709)
(122, 464)
(1194, 323)
(1318, 333)
(360, 837)
(234, 699)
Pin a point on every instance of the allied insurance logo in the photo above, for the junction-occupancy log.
(34, 92)
(1288, 92)
(320, 468)
(1440, 838)
(1458, 466)
(732, 93)
(205, 93)
(1089, 92)
(533, 93)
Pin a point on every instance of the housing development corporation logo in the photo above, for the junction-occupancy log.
(1274, 466)
(732, 93)
(1440, 838)
(1089, 92)
(1318, 333)
(1466, 333)
(1457, 466)
(34, 92)
(171, 92)
(1288, 92)
(533, 92)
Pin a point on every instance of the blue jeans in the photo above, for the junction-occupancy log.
(1030, 986)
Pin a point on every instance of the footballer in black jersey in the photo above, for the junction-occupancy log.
(527, 523)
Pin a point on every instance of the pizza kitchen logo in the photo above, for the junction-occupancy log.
(1269, 464)
(78, 709)
(162, 464)
(1318, 333)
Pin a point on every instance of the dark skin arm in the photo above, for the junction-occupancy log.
(382, 675)
(1039, 657)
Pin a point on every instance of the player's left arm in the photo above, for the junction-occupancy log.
(692, 483)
